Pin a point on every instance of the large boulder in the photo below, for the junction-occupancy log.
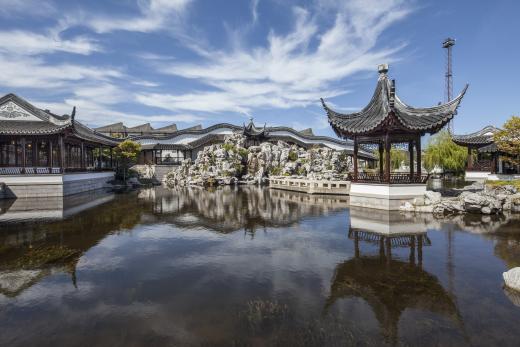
(431, 197)
(481, 203)
(512, 278)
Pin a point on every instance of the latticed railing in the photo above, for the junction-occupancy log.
(45, 170)
(395, 241)
(29, 170)
(396, 178)
(481, 165)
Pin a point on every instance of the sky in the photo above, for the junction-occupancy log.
(208, 61)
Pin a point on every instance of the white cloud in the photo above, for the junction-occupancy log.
(293, 70)
(29, 72)
(10, 8)
(30, 43)
(153, 15)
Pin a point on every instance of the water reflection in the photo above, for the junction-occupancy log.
(390, 286)
(50, 208)
(161, 267)
(229, 209)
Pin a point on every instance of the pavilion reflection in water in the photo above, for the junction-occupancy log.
(388, 283)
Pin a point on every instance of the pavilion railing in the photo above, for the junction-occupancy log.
(395, 178)
(481, 165)
(38, 170)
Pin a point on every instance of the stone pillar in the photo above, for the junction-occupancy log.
(355, 160)
(419, 160)
(410, 150)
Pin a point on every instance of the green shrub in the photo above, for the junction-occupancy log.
(275, 171)
(293, 156)
(243, 152)
(228, 147)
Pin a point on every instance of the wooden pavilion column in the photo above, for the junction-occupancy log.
(470, 158)
(82, 156)
(49, 151)
(419, 160)
(22, 143)
(387, 158)
(111, 158)
(355, 159)
(381, 168)
(100, 158)
(410, 150)
(494, 163)
(62, 153)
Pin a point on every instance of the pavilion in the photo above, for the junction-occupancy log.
(485, 160)
(40, 151)
(385, 122)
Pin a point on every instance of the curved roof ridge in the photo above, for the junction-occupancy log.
(385, 103)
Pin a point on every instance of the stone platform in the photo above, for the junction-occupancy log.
(311, 186)
(384, 196)
(53, 185)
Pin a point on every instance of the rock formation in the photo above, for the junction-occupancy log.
(512, 278)
(476, 198)
(233, 163)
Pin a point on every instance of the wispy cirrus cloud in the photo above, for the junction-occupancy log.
(30, 43)
(293, 69)
(152, 15)
(326, 43)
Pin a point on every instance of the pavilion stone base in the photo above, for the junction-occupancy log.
(477, 176)
(31, 186)
(384, 196)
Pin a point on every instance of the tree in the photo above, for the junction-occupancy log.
(508, 140)
(397, 157)
(442, 152)
(126, 154)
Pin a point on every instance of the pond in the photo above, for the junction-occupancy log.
(250, 267)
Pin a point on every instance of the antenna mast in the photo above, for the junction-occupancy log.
(448, 93)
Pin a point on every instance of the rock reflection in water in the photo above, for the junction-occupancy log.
(228, 209)
(161, 267)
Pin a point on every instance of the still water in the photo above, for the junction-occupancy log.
(250, 267)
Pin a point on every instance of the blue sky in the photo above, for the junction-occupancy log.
(208, 61)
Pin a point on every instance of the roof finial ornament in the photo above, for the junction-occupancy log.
(73, 114)
(382, 68)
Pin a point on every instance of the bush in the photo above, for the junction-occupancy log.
(293, 156)
(275, 171)
(228, 147)
(243, 152)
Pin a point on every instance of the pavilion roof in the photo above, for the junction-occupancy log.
(143, 128)
(19, 117)
(252, 130)
(115, 127)
(386, 111)
(483, 137)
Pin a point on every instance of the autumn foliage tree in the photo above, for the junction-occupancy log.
(508, 140)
